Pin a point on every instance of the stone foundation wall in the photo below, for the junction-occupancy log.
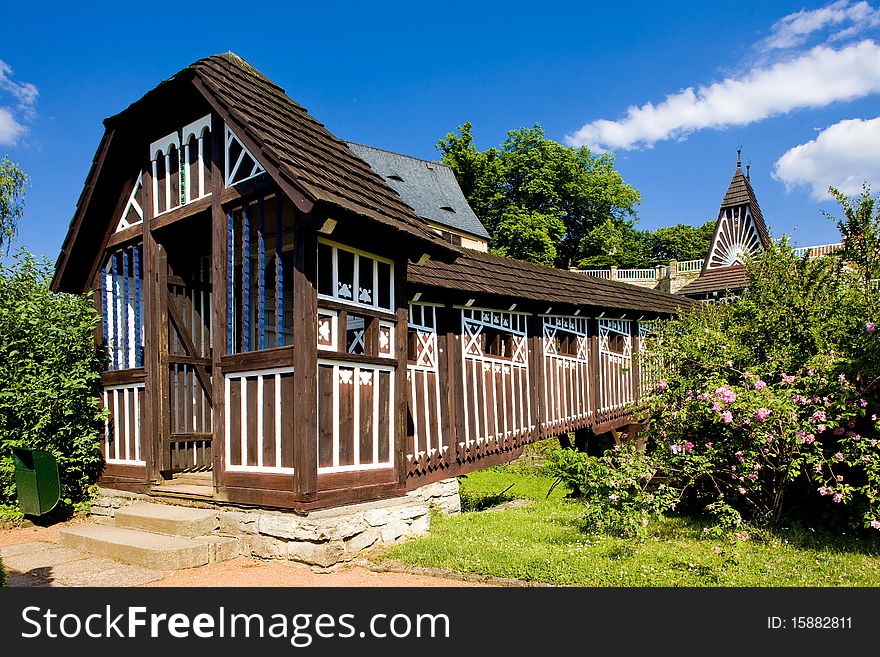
(321, 539)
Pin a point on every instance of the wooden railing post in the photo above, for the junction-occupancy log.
(220, 312)
(305, 359)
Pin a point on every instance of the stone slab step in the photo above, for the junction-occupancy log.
(168, 519)
(140, 548)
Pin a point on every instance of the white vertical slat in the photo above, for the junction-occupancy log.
(504, 396)
(415, 412)
(137, 425)
(356, 416)
(106, 427)
(227, 396)
(494, 397)
(391, 423)
(335, 415)
(243, 425)
(127, 411)
(334, 260)
(168, 205)
(476, 404)
(375, 416)
(464, 390)
(259, 421)
(485, 433)
(202, 164)
(426, 412)
(116, 431)
(437, 392)
(277, 420)
(356, 280)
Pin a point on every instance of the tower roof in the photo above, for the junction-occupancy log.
(739, 193)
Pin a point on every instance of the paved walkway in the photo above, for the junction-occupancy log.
(33, 557)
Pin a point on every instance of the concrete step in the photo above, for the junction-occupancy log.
(168, 519)
(149, 550)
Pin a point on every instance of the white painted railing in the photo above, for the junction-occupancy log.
(637, 274)
(596, 273)
(122, 430)
(817, 251)
(687, 266)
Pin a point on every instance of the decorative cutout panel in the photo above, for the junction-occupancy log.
(241, 165)
(736, 240)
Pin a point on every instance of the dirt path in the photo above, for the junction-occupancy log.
(245, 571)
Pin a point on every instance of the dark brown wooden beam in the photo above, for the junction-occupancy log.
(130, 234)
(182, 212)
(152, 392)
(219, 300)
(305, 355)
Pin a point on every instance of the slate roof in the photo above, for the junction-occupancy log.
(732, 278)
(430, 188)
(487, 273)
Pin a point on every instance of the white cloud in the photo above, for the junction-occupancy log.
(817, 78)
(25, 95)
(844, 156)
(794, 29)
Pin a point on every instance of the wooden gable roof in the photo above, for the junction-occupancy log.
(734, 279)
(476, 272)
(739, 193)
(311, 164)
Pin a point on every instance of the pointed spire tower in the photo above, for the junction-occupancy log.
(740, 233)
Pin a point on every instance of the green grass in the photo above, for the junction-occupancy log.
(543, 543)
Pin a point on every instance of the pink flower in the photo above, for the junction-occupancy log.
(717, 550)
(863, 403)
(869, 327)
(741, 536)
(838, 431)
(716, 406)
(762, 414)
(875, 524)
(753, 476)
(818, 416)
(727, 416)
(644, 522)
(725, 394)
(809, 438)
(688, 446)
(741, 490)
(873, 443)
(787, 378)
(841, 378)
(838, 457)
(662, 385)
(768, 438)
(739, 457)
(821, 428)
(837, 498)
(817, 468)
(825, 490)
(760, 385)
(675, 448)
(612, 497)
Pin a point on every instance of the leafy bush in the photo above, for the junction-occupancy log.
(3, 577)
(50, 375)
(620, 489)
(771, 408)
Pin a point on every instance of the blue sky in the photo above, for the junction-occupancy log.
(672, 88)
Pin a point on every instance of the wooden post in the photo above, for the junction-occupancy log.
(220, 313)
(636, 365)
(593, 330)
(535, 332)
(163, 417)
(399, 401)
(455, 379)
(305, 358)
(152, 391)
(446, 381)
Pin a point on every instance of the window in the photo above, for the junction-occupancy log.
(260, 290)
(122, 308)
(354, 277)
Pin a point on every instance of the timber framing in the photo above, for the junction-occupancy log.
(299, 331)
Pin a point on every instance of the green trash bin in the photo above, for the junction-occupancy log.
(37, 481)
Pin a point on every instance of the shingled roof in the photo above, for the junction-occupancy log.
(739, 193)
(430, 188)
(486, 273)
(733, 278)
(303, 151)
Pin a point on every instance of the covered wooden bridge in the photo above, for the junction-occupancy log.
(277, 316)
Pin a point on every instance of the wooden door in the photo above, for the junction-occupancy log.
(185, 359)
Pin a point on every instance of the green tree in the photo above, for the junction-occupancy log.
(860, 230)
(542, 182)
(615, 243)
(12, 182)
(681, 242)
